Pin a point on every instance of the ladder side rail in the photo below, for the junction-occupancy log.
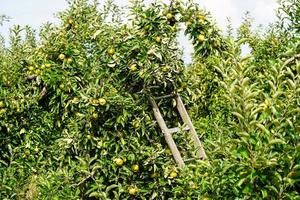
(168, 136)
(186, 119)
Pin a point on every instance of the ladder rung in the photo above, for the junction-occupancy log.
(177, 129)
(190, 159)
(165, 96)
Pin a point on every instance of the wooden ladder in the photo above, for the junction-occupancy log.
(169, 131)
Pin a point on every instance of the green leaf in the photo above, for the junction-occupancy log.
(241, 181)
(247, 189)
(264, 193)
(276, 141)
(94, 194)
(111, 187)
(263, 128)
(238, 115)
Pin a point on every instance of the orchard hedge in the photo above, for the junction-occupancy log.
(75, 121)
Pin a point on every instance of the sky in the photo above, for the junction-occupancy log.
(37, 12)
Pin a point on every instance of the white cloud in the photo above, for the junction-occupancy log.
(265, 11)
(222, 10)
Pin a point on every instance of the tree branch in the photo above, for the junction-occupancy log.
(290, 60)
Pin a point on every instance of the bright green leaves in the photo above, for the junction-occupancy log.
(251, 133)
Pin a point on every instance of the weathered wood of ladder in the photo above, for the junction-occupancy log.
(169, 131)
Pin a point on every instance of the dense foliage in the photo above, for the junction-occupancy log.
(75, 121)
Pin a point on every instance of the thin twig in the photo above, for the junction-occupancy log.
(44, 91)
(84, 180)
(31, 77)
